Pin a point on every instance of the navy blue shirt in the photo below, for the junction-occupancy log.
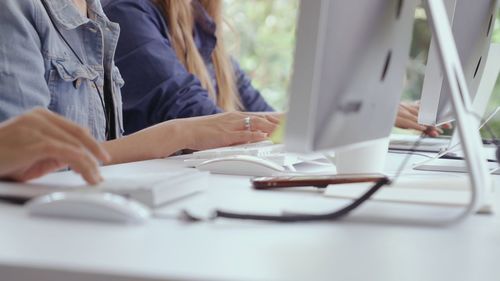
(157, 85)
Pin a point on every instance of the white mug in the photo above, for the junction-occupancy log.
(365, 158)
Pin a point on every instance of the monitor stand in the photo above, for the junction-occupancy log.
(485, 90)
(467, 122)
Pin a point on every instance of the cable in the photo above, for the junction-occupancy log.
(287, 218)
(305, 218)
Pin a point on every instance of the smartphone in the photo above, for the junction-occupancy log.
(317, 181)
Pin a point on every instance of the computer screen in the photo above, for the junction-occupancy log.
(472, 26)
(348, 72)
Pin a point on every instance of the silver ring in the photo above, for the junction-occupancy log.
(248, 123)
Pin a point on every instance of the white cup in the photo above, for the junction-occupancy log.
(365, 158)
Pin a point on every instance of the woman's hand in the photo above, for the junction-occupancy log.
(227, 129)
(40, 142)
(194, 133)
(408, 119)
(273, 117)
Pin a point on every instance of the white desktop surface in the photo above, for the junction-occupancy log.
(358, 248)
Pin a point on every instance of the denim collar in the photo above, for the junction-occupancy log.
(67, 15)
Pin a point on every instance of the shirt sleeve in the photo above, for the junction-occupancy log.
(250, 97)
(22, 72)
(157, 85)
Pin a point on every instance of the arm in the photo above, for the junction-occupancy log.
(196, 133)
(250, 97)
(158, 87)
(22, 81)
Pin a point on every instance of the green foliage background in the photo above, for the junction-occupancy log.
(262, 38)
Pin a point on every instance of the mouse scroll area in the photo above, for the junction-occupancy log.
(242, 165)
(96, 206)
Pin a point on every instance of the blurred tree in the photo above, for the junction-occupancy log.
(262, 38)
(495, 99)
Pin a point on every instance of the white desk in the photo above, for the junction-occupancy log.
(354, 249)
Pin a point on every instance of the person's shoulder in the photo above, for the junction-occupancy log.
(133, 12)
(19, 10)
(23, 6)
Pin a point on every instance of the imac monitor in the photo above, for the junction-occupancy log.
(348, 73)
(472, 26)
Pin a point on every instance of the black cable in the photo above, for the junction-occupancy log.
(453, 157)
(305, 218)
(309, 218)
(16, 200)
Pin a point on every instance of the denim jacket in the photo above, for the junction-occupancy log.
(39, 69)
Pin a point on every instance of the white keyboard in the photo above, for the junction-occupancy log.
(259, 149)
(407, 142)
(265, 149)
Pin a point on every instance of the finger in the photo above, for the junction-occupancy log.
(408, 116)
(412, 108)
(82, 136)
(77, 158)
(404, 120)
(262, 124)
(431, 132)
(270, 116)
(273, 119)
(247, 136)
(437, 129)
(40, 169)
(408, 124)
(258, 136)
(55, 132)
(400, 123)
(447, 126)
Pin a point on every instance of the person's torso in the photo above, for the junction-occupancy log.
(78, 56)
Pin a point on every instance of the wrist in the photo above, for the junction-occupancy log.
(175, 136)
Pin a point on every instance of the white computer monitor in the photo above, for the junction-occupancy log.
(348, 73)
(472, 25)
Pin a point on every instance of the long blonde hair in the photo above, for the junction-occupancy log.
(181, 21)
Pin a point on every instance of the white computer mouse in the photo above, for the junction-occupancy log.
(90, 205)
(243, 165)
